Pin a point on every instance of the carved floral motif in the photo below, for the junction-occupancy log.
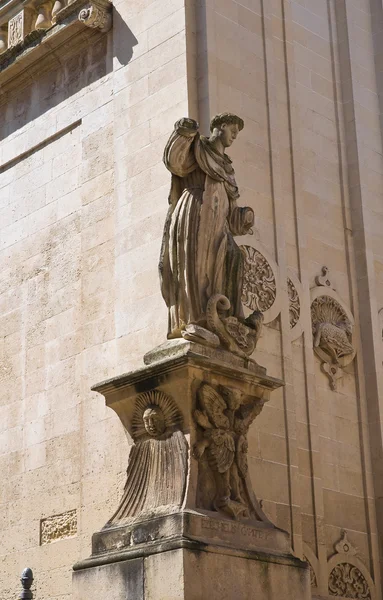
(294, 303)
(347, 581)
(224, 417)
(259, 286)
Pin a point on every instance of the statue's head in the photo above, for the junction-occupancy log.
(226, 126)
(154, 421)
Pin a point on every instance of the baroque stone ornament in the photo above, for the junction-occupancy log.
(240, 337)
(58, 527)
(344, 546)
(324, 278)
(97, 17)
(224, 417)
(259, 286)
(332, 327)
(16, 29)
(156, 473)
(313, 579)
(294, 303)
(347, 581)
(199, 257)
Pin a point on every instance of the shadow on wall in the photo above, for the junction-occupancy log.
(59, 85)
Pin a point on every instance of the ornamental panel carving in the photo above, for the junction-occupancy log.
(259, 286)
(294, 303)
(58, 527)
(347, 581)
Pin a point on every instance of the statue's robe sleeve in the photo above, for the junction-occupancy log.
(179, 159)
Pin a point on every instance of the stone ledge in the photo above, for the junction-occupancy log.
(78, 19)
(194, 531)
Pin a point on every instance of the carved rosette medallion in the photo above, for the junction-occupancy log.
(156, 473)
(259, 287)
(224, 416)
(347, 581)
(294, 303)
(332, 326)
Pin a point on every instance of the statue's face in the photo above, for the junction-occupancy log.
(228, 133)
(154, 421)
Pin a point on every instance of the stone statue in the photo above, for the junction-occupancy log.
(200, 260)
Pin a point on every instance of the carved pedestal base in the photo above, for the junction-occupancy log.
(188, 503)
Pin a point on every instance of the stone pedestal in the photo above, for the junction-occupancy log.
(189, 525)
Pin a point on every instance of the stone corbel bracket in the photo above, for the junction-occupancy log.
(35, 35)
(96, 14)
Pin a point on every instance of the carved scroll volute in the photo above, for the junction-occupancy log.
(96, 16)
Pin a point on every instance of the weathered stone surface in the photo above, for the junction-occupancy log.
(191, 574)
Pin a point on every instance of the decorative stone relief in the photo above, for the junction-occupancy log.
(347, 581)
(259, 285)
(16, 29)
(156, 473)
(348, 576)
(332, 326)
(96, 17)
(345, 546)
(240, 337)
(294, 303)
(58, 527)
(224, 417)
(324, 278)
(313, 579)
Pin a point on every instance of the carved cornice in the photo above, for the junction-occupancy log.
(31, 29)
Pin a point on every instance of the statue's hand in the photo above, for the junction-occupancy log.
(248, 220)
(188, 124)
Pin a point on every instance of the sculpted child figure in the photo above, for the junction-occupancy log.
(199, 257)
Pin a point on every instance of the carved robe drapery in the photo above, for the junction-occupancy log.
(199, 257)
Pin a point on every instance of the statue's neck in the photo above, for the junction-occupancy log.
(217, 145)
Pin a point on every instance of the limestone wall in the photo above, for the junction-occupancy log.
(83, 198)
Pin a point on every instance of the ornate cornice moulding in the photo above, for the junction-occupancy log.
(32, 29)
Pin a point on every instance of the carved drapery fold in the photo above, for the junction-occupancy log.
(156, 473)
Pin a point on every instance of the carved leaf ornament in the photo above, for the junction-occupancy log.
(259, 286)
(294, 304)
(347, 581)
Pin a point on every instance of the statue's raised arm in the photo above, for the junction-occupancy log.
(201, 265)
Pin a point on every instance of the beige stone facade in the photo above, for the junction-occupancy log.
(83, 199)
